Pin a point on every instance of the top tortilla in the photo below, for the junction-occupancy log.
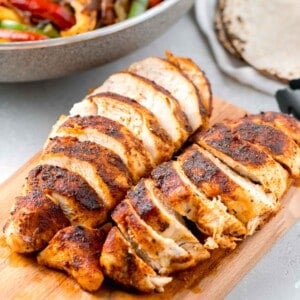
(266, 33)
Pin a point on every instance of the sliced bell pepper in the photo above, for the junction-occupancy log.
(153, 3)
(137, 7)
(20, 36)
(47, 29)
(8, 14)
(57, 14)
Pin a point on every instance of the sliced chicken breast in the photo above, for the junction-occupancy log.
(33, 222)
(157, 100)
(244, 199)
(210, 215)
(120, 263)
(192, 71)
(103, 170)
(138, 120)
(84, 108)
(148, 202)
(111, 135)
(76, 250)
(172, 79)
(286, 123)
(162, 254)
(275, 142)
(245, 158)
(79, 202)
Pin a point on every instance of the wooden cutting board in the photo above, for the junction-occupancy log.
(22, 278)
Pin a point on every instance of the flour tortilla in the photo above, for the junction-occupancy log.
(220, 30)
(266, 33)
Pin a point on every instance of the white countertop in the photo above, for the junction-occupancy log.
(28, 110)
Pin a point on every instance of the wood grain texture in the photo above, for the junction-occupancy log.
(22, 278)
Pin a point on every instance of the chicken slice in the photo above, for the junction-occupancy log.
(103, 170)
(76, 250)
(210, 215)
(120, 263)
(154, 98)
(274, 141)
(33, 222)
(151, 206)
(162, 254)
(111, 135)
(245, 158)
(138, 120)
(79, 202)
(289, 125)
(244, 199)
(169, 77)
(192, 71)
(84, 108)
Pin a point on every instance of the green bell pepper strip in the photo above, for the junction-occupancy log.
(47, 29)
(137, 7)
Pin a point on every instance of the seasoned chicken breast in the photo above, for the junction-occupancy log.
(165, 108)
(272, 140)
(84, 108)
(151, 206)
(286, 123)
(116, 135)
(120, 262)
(76, 250)
(246, 158)
(139, 121)
(162, 254)
(79, 202)
(210, 215)
(33, 222)
(171, 78)
(111, 135)
(193, 72)
(223, 185)
(244, 199)
(100, 167)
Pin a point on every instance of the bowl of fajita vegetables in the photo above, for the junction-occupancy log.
(43, 39)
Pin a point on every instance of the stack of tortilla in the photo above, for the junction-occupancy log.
(263, 33)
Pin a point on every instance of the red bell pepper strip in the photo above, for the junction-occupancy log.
(57, 14)
(153, 3)
(20, 36)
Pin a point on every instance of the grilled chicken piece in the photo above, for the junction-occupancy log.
(289, 125)
(244, 199)
(165, 108)
(275, 142)
(107, 143)
(84, 108)
(33, 222)
(210, 215)
(151, 206)
(79, 202)
(162, 254)
(138, 120)
(245, 158)
(111, 135)
(103, 170)
(199, 79)
(170, 77)
(76, 250)
(120, 263)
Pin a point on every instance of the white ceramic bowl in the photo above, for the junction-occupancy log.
(31, 61)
